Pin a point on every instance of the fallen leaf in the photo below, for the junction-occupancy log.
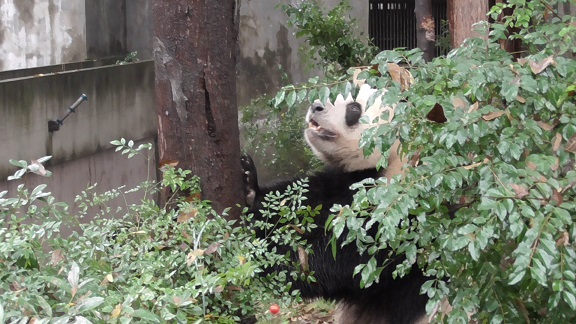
(117, 310)
(493, 115)
(193, 255)
(473, 107)
(475, 165)
(459, 103)
(520, 99)
(57, 257)
(564, 240)
(303, 257)
(571, 145)
(521, 191)
(538, 67)
(212, 248)
(546, 126)
(557, 197)
(557, 142)
(400, 75)
(186, 216)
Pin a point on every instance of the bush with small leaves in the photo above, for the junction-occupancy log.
(487, 206)
(139, 262)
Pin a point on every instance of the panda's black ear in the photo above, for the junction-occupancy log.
(250, 179)
(353, 113)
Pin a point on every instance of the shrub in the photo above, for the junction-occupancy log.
(331, 36)
(489, 212)
(140, 262)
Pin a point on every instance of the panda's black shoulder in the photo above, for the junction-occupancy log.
(327, 187)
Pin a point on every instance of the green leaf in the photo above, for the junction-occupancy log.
(569, 299)
(19, 163)
(516, 277)
(324, 93)
(89, 303)
(291, 99)
(538, 272)
(43, 304)
(146, 315)
(563, 215)
(279, 98)
(74, 275)
(44, 159)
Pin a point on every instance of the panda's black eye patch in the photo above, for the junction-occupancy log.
(353, 113)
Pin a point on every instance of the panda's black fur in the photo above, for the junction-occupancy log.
(390, 300)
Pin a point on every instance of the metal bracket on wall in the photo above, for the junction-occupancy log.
(54, 126)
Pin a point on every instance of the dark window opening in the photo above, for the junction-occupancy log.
(392, 24)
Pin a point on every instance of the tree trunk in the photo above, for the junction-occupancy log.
(425, 29)
(195, 48)
(462, 14)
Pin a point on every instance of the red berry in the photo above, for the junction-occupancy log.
(274, 309)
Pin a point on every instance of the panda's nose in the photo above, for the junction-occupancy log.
(317, 107)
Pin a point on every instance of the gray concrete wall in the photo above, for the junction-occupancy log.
(266, 42)
(41, 32)
(139, 28)
(106, 168)
(106, 29)
(120, 104)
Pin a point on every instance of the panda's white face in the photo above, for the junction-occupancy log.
(334, 130)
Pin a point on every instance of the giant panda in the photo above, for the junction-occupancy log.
(333, 134)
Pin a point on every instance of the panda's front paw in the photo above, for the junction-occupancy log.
(250, 179)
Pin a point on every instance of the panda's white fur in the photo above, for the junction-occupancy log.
(337, 144)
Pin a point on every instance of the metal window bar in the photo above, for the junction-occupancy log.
(392, 23)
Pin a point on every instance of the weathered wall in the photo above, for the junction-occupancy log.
(120, 104)
(266, 42)
(106, 168)
(106, 28)
(139, 27)
(41, 32)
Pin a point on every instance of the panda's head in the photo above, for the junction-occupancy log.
(334, 130)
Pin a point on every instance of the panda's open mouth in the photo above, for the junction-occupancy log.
(321, 131)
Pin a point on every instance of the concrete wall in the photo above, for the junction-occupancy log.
(41, 32)
(35, 33)
(266, 42)
(139, 28)
(121, 104)
(106, 168)
(105, 28)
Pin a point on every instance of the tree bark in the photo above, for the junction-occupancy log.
(425, 29)
(195, 47)
(462, 14)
